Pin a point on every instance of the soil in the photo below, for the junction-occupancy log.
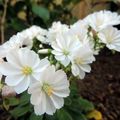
(102, 85)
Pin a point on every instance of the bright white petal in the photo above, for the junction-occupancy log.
(22, 86)
(14, 80)
(8, 69)
(57, 101)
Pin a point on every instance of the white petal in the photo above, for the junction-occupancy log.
(62, 93)
(81, 74)
(57, 101)
(75, 70)
(14, 80)
(36, 98)
(50, 109)
(13, 59)
(41, 108)
(85, 68)
(66, 61)
(8, 69)
(35, 87)
(42, 65)
(22, 86)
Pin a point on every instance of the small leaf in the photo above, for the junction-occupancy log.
(42, 12)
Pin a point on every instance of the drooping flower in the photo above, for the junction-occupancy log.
(110, 36)
(22, 68)
(64, 47)
(102, 19)
(47, 94)
(81, 60)
(56, 29)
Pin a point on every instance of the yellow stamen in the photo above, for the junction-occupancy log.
(65, 52)
(47, 89)
(27, 70)
(78, 61)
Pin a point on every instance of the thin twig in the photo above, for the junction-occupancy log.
(3, 22)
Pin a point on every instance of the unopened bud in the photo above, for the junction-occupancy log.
(8, 91)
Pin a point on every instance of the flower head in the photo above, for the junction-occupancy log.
(22, 68)
(111, 37)
(81, 60)
(64, 47)
(56, 29)
(47, 94)
(102, 19)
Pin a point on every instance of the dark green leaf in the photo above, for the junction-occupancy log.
(18, 24)
(34, 117)
(19, 111)
(24, 99)
(13, 101)
(85, 105)
(64, 115)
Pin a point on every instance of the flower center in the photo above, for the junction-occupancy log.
(26, 70)
(78, 61)
(47, 89)
(65, 52)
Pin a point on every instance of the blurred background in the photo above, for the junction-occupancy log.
(16, 15)
(102, 86)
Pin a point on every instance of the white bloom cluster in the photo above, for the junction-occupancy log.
(102, 23)
(69, 49)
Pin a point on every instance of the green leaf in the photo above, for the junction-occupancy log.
(19, 111)
(64, 115)
(24, 99)
(79, 117)
(35, 117)
(40, 11)
(85, 105)
(13, 101)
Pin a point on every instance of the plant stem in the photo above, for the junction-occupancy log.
(3, 22)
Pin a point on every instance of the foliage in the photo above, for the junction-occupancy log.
(76, 108)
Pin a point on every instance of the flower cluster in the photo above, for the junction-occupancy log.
(39, 60)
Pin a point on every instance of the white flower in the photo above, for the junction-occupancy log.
(79, 30)
(111, 37)
(10, 45)
(56, 29)
(47, 94)
(81, 60)
(102, 19)
(35, 32)
(22, 68)
(1, 61)
(64, 47)
(23, 39)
